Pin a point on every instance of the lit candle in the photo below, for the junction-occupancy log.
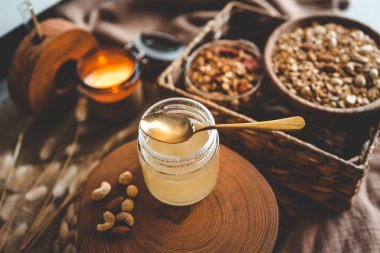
(110, 80)
(111, 70)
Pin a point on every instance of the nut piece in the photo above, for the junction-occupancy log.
(125, 178)
(114, 205)
(359, 58)
(102, 191)
(119, 230)
(132, 191)
(127, 205)
(374, 73)
(360, 80)
(109, 221)
(366, 49)
(126, 217)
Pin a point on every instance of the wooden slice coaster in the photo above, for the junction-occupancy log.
(240, 215)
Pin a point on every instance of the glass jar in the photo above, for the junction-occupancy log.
(160, 49)
(184, 173)
(110, 79)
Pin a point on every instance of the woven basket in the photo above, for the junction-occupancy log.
(325, 162)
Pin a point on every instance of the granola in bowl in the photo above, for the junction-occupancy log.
(225, 70)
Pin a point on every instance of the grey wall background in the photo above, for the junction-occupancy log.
(10, 17)
(366, 11)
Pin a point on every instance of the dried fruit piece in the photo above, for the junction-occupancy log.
(325, 57)
(308, 46)
(114, 205)
(228, 51)
(118, 231)
(330, 67)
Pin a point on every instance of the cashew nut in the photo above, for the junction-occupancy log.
(102, 191)
(109, 221)
(127, 205)
(126, 217)
(132, 191)
(125, 178)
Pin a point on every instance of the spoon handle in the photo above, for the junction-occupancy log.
(292, 123)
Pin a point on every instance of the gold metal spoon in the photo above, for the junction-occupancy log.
(175, 128)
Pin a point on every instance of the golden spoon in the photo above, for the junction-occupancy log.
(175, 128)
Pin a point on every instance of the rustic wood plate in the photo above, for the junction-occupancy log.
(240, 215)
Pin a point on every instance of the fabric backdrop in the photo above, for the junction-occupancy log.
(304, 226)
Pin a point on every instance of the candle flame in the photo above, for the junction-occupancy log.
(102, 59)
(109, 76)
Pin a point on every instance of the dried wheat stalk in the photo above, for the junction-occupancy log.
(68, 233)
(52, 206)
(12, 165)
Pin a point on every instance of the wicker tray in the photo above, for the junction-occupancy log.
(326, 162)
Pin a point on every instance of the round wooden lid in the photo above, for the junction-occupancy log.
(240, 215)
(42, 76)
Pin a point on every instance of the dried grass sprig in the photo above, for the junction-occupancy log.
(47, 177)
(40, 225)
(48, 148)
(62, 171)
(15, 236)
(7, 212)
(16, 154)
(62, 183)
(67, 233)
(6, 166)
(33, 197)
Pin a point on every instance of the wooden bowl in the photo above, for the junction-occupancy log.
(302, 103)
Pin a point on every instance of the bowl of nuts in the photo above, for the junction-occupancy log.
(225, 71)
(327, 64)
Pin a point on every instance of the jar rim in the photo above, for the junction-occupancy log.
(185, 160)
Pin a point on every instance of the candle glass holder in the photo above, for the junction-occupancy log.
(110, 79)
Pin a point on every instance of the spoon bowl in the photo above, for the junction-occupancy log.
(167, 127)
